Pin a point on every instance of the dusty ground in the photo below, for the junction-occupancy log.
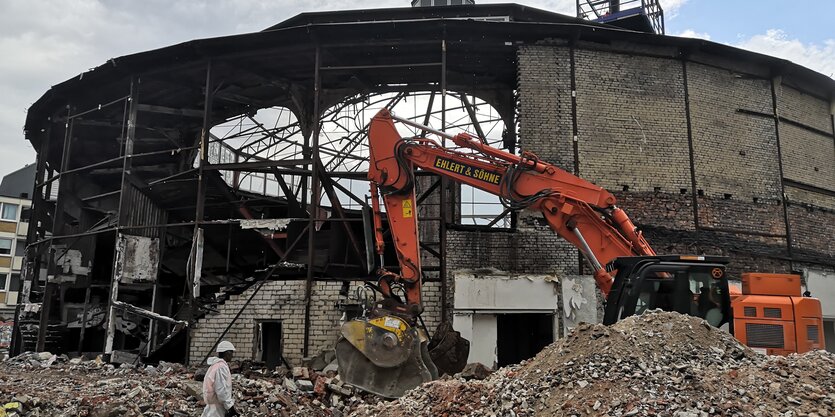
(658, 364)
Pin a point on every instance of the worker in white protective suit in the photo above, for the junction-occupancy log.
(217, 384)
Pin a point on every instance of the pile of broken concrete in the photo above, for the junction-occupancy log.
(43, 384)
(657, 364)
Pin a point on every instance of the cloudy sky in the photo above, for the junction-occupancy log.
(44, 42)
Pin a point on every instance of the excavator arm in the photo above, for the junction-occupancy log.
(580, 212)
(386, 352)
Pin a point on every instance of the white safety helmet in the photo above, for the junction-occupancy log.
(225, 346)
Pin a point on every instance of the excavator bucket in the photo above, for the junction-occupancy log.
(448, 350)
(384, 356)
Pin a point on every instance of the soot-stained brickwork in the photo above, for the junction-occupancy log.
(633, 139)
(631, 124)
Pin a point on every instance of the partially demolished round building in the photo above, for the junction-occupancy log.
(216, 187)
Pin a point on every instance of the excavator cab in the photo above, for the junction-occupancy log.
(693, 285)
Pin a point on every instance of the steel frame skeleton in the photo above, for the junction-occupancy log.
(334, 154)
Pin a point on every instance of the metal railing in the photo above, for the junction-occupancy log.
(605, 11)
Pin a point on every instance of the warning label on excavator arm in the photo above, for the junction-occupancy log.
(468, 171)
(407, 208)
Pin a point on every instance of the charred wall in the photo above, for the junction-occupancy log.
(708, 154)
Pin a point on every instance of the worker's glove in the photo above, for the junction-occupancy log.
(232, 412)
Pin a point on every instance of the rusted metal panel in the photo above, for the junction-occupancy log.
(142, 211)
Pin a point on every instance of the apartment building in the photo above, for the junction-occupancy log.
(15, 203)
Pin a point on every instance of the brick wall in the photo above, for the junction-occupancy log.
(631, 122)
(804, 108)
(804, 197)
(762, 216)
(284, 301)
(812, 229)
(735, 153)
(277, 300)
(530, 250)
(675, 211)
(545, 103)
(632, 132)
(808, 157)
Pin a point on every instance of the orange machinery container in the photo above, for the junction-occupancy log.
(771, 316)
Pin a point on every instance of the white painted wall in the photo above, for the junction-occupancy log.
(822, 286)
(481, 331)
(579, 301)
(480, 295)
(494, 290)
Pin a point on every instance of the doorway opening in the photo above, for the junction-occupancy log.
(521, 336)
(268, 344)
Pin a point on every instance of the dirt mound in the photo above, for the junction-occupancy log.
(660, 363)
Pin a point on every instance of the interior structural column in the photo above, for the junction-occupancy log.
(57, 231)
(446, 212)
(315, 188)
(195, 264)
(124, 208)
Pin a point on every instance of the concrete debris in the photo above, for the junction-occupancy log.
(53, 385)
(320, 361)
(660, 363)
(270, 224)
(475, 371)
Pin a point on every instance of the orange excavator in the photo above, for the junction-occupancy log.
(386, 351)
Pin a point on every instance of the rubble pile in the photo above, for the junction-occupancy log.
(660, 363)
(49, 385)
(657, 364)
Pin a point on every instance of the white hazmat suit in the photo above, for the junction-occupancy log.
(217, 387)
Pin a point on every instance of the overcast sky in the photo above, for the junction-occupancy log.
(44, 42)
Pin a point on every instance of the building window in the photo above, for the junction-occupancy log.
(20, 247)
(3, 281)
(5, 246)
(14, 285)
(25, 213)
(9, 212)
